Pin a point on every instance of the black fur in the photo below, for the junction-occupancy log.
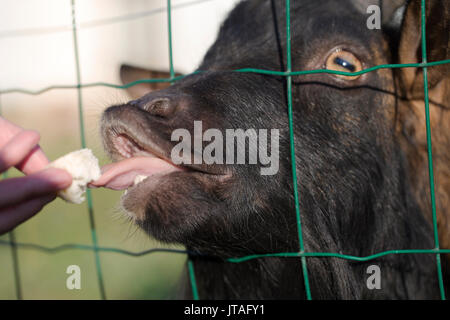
(353, 192)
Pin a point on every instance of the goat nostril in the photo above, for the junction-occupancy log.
(159, 107)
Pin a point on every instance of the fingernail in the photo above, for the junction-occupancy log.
(34, 135)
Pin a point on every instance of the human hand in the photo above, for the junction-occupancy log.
(21, 198)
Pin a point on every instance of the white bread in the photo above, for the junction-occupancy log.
(84, 168)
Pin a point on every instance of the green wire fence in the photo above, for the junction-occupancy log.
(302, 254)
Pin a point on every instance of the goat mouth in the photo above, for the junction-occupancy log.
(136, 161)
(132, 163)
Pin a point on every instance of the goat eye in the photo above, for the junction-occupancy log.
(341, 60)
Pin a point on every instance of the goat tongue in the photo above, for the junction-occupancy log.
(121, 175)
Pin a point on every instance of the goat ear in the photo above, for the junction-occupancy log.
(392, 12)
(437, 43)
(130, 74)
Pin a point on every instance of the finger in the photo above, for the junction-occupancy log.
(7, 131)
(13, 216)
(16, 190)
(34, 162)
(17, 149)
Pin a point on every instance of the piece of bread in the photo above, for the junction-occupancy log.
(84, 168)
